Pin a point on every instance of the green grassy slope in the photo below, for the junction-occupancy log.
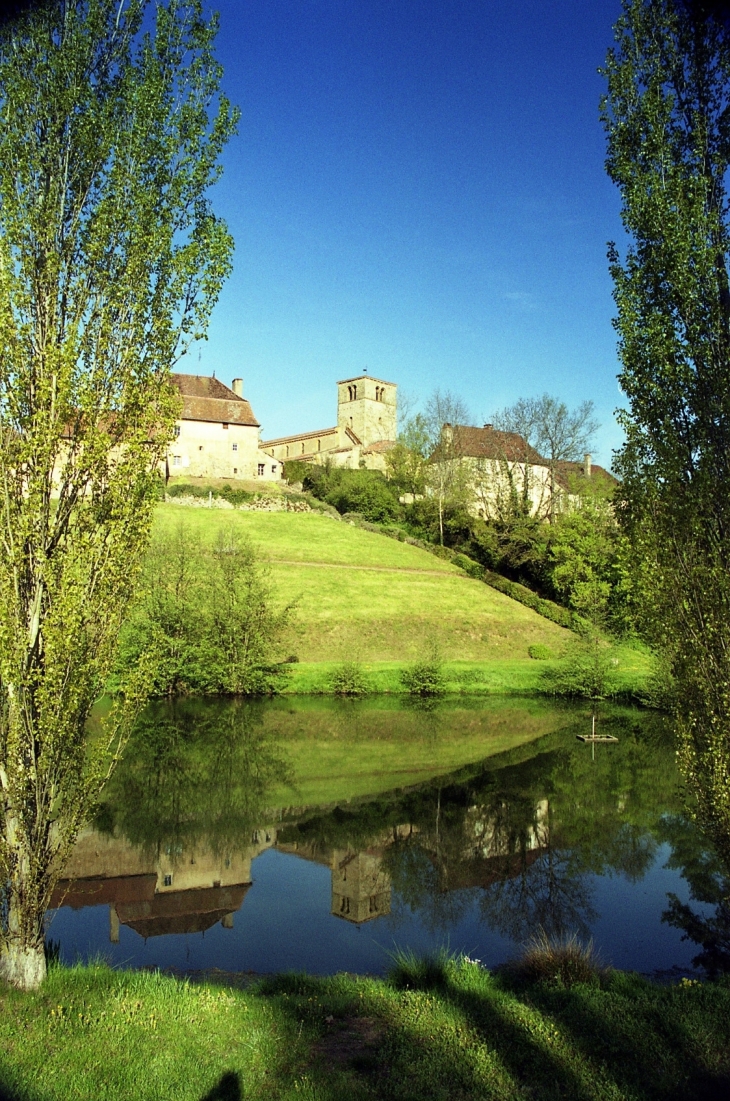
(94, 1033)
(365, 596)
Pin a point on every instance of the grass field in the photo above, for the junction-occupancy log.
(93, 1034)
(365, 596)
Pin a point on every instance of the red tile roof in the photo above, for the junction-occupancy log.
(490, 443)
(207, 399)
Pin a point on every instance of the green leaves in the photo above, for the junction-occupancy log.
(667, 117)
(111, 261)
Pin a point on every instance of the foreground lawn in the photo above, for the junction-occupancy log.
(98, 1034)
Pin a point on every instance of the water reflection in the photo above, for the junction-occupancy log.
(519, 834)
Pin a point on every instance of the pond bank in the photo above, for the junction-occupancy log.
(507, 677)
(102, 1034)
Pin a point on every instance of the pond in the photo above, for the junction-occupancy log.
(323, 836)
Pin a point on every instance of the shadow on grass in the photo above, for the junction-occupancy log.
(584, 1043)
(228, 1089)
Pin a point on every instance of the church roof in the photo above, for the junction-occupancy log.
(208, 399)
(361, 378)
(299, 436)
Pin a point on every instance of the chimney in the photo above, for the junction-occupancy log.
(238, 387)
(587, 464)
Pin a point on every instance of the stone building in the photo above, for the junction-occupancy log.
(364, 433)
(500, 466)
(217, 435)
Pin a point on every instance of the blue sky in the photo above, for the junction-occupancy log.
(417, 189)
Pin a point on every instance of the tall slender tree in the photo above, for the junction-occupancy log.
(667, 116)
(110, 262)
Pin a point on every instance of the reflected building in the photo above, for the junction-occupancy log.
(171, 890)
(168, 891)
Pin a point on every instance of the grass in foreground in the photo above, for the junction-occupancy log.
(447, 1033)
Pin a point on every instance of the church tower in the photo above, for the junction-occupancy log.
(368, 407)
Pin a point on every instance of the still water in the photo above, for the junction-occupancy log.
(322, 836)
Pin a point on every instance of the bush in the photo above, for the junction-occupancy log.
(349, 680)
(365, 492)
(539, 652)
(425, 677)
(468, 565)
(586, 671)
(412, 972)
(562, 960)
(546, 608)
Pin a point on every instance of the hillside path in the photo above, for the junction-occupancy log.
(348, 566)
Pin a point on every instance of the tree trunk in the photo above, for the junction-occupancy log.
(22, 966)
(22, 959)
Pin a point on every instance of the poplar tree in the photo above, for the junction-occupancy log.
(667, 117)
(111, 126)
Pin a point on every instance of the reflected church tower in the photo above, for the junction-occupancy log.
(360, 886)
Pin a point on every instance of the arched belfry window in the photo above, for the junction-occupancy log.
(352, 391)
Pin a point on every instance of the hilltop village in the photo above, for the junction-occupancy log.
(218, 436)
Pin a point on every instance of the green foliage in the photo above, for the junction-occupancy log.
(365, 492)
(111, 260)
(207, 612)
(425, 677)
(523, 595)
(539, 652)
(587, 670)
(296, 471)
(234, 494)
(348, 679)
(667, 117)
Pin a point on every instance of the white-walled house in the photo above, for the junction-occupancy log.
(217, 435)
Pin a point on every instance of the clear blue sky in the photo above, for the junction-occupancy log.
(417, 188)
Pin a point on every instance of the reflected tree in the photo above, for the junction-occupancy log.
(194, 774)
(709, 885)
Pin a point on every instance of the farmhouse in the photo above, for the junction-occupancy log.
(502, 467)
(364, 433)
(217, 435)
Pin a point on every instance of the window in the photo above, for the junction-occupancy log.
(261, 469)
(302, 448)
(234, 446)
(273, 470)
(225, 426)
(200, 448)
(319, 445)
(352, 392)
(177, 460)
(287, 451)
(235, 470)
(176, 431)
(168, 881)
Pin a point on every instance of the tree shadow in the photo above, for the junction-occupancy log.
(228, 1089)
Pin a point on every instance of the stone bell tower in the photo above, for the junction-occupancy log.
(368, 407)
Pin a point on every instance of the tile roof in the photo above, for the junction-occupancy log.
(360, 378)
(207, 399)
(490, 443)
(299, 436)
(380, 446)
(568, 470)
